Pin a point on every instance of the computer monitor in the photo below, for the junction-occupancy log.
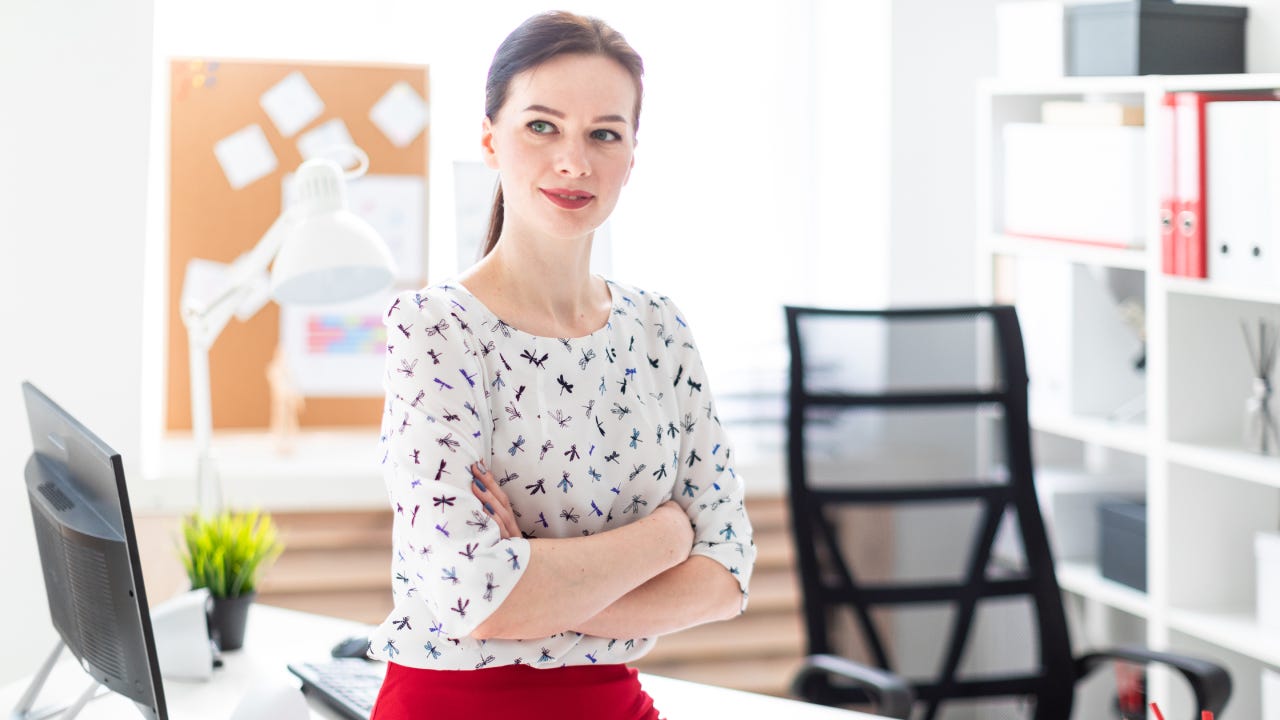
(89, 552)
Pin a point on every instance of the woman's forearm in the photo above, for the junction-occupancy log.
(698, 590)
(569, 580)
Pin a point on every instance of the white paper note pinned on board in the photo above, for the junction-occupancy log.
(245, 156)
(401, 114)
(291, 103)
(322, 141)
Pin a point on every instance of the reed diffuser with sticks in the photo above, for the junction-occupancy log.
(1260, 427)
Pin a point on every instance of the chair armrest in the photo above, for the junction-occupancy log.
(1209, 681)
(891, 694)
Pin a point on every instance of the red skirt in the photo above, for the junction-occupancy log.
(594, 692)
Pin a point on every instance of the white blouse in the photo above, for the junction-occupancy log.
(584, 434)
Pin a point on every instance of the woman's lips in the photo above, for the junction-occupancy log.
(568, 199)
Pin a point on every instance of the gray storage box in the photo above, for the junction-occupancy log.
(1122, 542)
(1154, 37)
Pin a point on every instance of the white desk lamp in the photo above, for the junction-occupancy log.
(323, 253)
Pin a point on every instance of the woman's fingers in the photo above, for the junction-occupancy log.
(492, 483)
(485, 488)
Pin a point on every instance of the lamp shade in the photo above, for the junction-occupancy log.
(328, 254)
(329, 258)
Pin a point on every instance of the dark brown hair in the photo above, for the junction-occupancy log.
(537, 40)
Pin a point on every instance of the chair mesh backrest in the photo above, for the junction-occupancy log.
(923, 412)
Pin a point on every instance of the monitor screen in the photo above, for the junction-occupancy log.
(89, 553)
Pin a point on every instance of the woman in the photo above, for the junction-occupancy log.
(563, 490)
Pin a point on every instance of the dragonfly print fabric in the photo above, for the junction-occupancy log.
(584, 434)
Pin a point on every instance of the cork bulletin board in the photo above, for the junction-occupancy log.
(237, 128)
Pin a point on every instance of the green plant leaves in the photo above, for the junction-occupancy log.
(224, 552)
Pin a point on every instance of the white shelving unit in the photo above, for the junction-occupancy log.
(1206, 494)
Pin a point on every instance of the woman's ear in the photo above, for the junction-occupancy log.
(487, 149)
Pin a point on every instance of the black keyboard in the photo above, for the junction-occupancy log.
(350, 685)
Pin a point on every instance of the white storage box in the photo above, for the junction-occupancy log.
(1080, 351)
(1270, 694)
(1069, 501)
(1267, 548)
(1029, 39)
(1078, 183)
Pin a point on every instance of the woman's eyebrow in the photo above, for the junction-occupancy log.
(556, 113)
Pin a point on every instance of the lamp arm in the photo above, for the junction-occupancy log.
(207, 319)
(204, 323)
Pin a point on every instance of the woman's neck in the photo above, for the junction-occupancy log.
(544, 287)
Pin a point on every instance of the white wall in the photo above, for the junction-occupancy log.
(74, 92)
(940, 49)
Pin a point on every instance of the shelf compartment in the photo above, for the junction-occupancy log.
(1244, 667)
(1085, 580)
(1127, 437)
(1209, 540)
(1066, 251)
(1223, 459)
(1235, 631)
(1209, 376)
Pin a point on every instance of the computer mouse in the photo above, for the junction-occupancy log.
(356, 646)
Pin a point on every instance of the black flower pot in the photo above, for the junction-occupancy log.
(228, 618)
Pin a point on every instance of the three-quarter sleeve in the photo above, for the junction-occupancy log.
(707, 485)
(449, 553)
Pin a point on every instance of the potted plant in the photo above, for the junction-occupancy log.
(224, 553)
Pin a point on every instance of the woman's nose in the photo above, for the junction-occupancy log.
(572, 161)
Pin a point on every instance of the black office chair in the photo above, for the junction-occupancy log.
(945, 391)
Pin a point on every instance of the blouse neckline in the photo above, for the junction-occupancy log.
(608, 323)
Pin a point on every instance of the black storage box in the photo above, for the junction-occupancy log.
(1122, 542)
(1154, 37)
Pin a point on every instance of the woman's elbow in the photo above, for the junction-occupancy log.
(492, 627)
(502, 625)
(729, 598)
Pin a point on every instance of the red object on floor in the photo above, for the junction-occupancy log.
(595, 692)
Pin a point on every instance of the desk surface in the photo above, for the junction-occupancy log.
(277, 637)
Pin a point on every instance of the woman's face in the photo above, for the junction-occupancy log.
(563, 144)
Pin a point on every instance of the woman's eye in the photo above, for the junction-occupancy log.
(606, 135)
(542, 127)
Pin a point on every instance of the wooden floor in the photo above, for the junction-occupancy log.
(337, 564)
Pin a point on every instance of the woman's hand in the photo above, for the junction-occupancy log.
(494, 499)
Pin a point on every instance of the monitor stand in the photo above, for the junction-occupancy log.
(23, 711)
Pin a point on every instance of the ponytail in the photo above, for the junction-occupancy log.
(495, 224)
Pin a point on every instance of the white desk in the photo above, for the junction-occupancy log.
(277, 637)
